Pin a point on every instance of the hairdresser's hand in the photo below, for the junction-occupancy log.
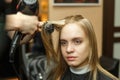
(24, 23)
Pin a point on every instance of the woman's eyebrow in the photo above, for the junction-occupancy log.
(62, 40)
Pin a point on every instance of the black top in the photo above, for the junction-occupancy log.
(6, 68)
(2, 7)
(71, 76)
(8, 8)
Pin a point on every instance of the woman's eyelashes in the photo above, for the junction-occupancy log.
(63, 43)
(75, 41)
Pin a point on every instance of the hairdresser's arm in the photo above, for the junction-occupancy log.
(23, 23)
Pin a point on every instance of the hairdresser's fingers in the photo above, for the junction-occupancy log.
(26, 39)
(29, 23)
(40, 25)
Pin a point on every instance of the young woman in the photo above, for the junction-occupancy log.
(77, 52)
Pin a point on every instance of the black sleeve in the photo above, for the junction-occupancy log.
(8, 8)
(2, 6)
(11, 8)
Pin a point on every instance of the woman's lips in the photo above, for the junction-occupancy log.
(71, 58)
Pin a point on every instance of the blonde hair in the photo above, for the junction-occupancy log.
(61, 67)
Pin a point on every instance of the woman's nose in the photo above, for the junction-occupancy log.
(70, 48)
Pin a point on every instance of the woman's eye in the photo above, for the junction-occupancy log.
(77, 42)
(63, 43)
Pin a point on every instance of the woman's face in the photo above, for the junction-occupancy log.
(74, 45)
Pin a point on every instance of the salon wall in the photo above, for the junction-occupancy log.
(93, 13)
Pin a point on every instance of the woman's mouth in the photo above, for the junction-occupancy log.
(71, 58)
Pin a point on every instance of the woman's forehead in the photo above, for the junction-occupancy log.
(72, 29)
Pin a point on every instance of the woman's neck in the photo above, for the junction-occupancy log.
(81, 70)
